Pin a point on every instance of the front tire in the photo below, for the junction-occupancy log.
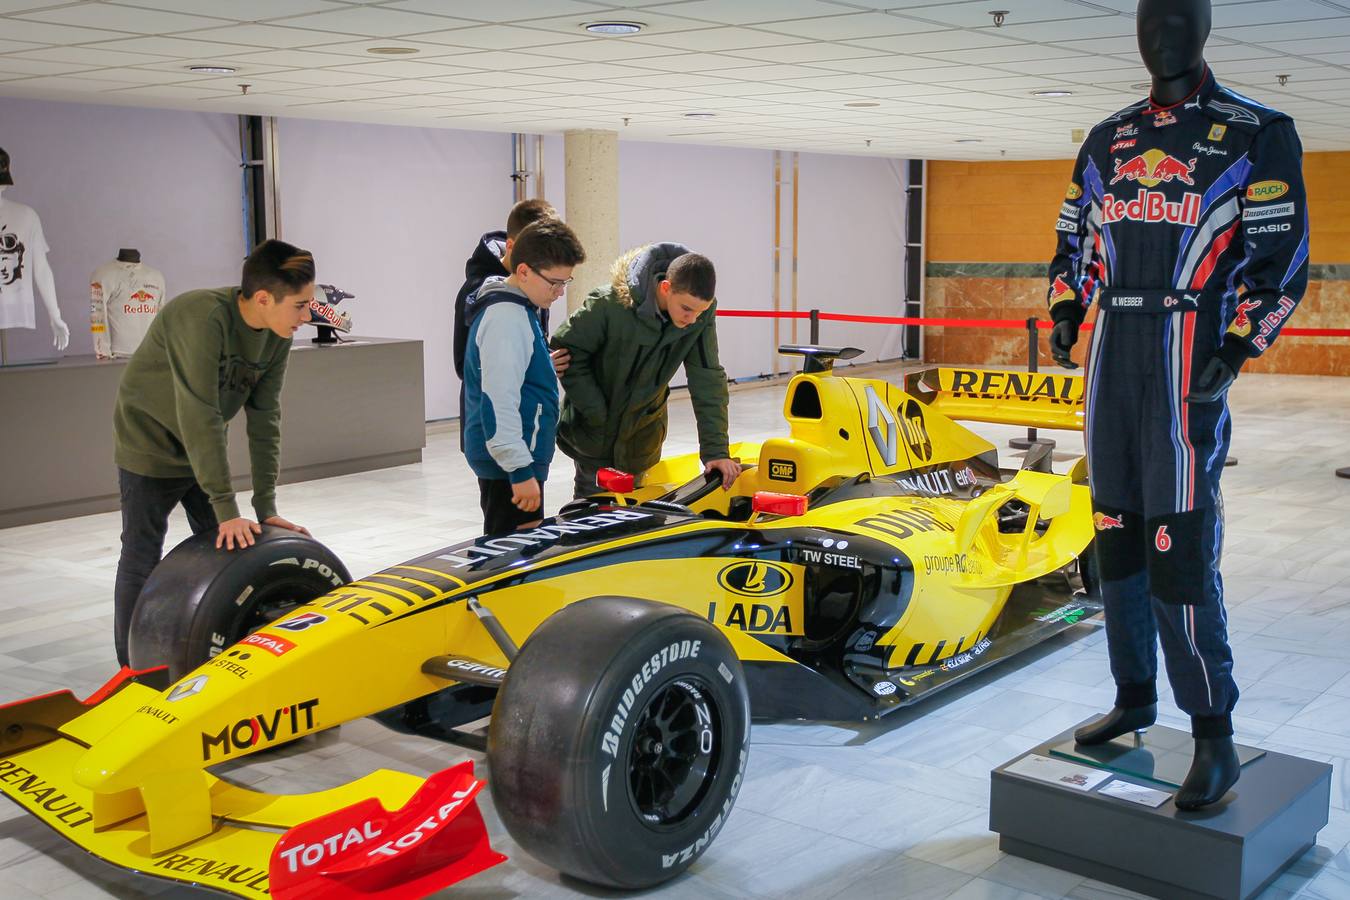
(618, 741)
(200, 600)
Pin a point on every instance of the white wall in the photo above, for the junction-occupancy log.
(852, 248)
(391, 214)
(105, 177)
(719, 202)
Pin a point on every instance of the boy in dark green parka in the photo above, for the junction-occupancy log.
(627, 342)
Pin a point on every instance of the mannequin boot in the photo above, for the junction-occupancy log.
(1120, 720)
(1214, 769)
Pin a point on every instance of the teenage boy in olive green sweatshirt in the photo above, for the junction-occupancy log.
(208, 354)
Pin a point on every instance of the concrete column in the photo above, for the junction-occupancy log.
(591, 165)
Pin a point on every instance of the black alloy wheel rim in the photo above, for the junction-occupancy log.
(673, 760)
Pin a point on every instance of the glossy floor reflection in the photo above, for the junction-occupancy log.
(895, 809)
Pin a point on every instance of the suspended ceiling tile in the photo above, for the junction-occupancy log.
(656, 24)
(1074, 65)
(264, 36)
(489, 37)
(25, 66)
(532, 80)
(584, 88)
(591, 50)
(325, 76)
(935, 42)
(503, 10)
(91, 57)
(749, 12)
(1005, 53)
(976, 15)
(47, 33)
(1270, 12)
(806, 53)
(712, 40)
(122, 18)
(372, 21)
(300, 59)
(8, 46)
(237, 10)
(1277, 34)
(850, 26)
(697, 62)
(1085, 29)
(400, 68)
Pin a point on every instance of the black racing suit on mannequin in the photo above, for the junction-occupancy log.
(1188, 226)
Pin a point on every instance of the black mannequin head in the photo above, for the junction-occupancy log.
(1172, 35)
(128, 255)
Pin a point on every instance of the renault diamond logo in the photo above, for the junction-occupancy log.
(187, 688)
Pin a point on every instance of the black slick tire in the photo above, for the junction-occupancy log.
(618, 741)
(200, 600)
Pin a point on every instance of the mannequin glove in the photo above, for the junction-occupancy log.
(1062, 338)
(1213, 383)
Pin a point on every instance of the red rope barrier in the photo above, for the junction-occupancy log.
(963, 323)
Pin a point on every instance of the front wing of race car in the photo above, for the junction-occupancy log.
(387, 835)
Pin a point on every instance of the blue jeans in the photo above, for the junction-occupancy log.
(146, 504)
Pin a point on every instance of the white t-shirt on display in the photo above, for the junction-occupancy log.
(123, 300)
(21, 243)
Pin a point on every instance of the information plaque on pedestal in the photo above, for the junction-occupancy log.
(1107, 813)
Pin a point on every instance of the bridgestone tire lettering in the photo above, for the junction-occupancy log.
(563, 749)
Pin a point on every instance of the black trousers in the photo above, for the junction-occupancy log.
(146, 504)
(1155, 460)
(500, 515)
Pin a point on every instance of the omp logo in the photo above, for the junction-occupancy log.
(1267, 190)
(285, 721)
(753, 578)
(881, 426)
(782, 470)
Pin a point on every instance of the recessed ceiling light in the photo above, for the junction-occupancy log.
(392, 51)
(614, 28)
(1058, 92)
(700, 115)
(212, 70)
(968, 140)
(862, 104)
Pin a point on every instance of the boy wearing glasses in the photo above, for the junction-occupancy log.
(510, 390)
(627, 342)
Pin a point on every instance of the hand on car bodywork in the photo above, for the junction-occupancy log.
(284, 523)
(729, 469)
(526, 494)
(237, 533)
(1213, 383)
(562, 358)
(1062, 338)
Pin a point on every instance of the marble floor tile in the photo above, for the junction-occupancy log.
(896, 808)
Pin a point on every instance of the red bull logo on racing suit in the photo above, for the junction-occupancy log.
(1154, 167)
(1103, 522)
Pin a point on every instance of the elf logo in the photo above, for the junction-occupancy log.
(244, 735)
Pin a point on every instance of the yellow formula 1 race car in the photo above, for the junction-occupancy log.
(873, 555)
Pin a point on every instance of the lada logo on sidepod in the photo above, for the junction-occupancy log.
(752, 578)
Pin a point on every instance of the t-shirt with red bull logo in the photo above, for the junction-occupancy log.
(124, 298)
(1204, 197)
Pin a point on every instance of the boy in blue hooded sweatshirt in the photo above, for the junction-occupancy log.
(510, 389)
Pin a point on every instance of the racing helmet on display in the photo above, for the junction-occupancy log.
(323, 311)
(5, 177)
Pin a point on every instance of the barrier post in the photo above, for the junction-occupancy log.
(1033, 365)
(815, 327)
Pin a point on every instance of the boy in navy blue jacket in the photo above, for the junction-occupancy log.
(510, 390)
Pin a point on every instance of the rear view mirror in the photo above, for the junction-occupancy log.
(614, 481)
(779, 504)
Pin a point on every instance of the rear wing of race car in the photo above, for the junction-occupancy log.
(1032, 399)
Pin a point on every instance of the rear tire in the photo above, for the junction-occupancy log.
(618, 741)
(200, 600)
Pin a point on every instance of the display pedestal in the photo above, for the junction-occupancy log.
(1061, 807)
